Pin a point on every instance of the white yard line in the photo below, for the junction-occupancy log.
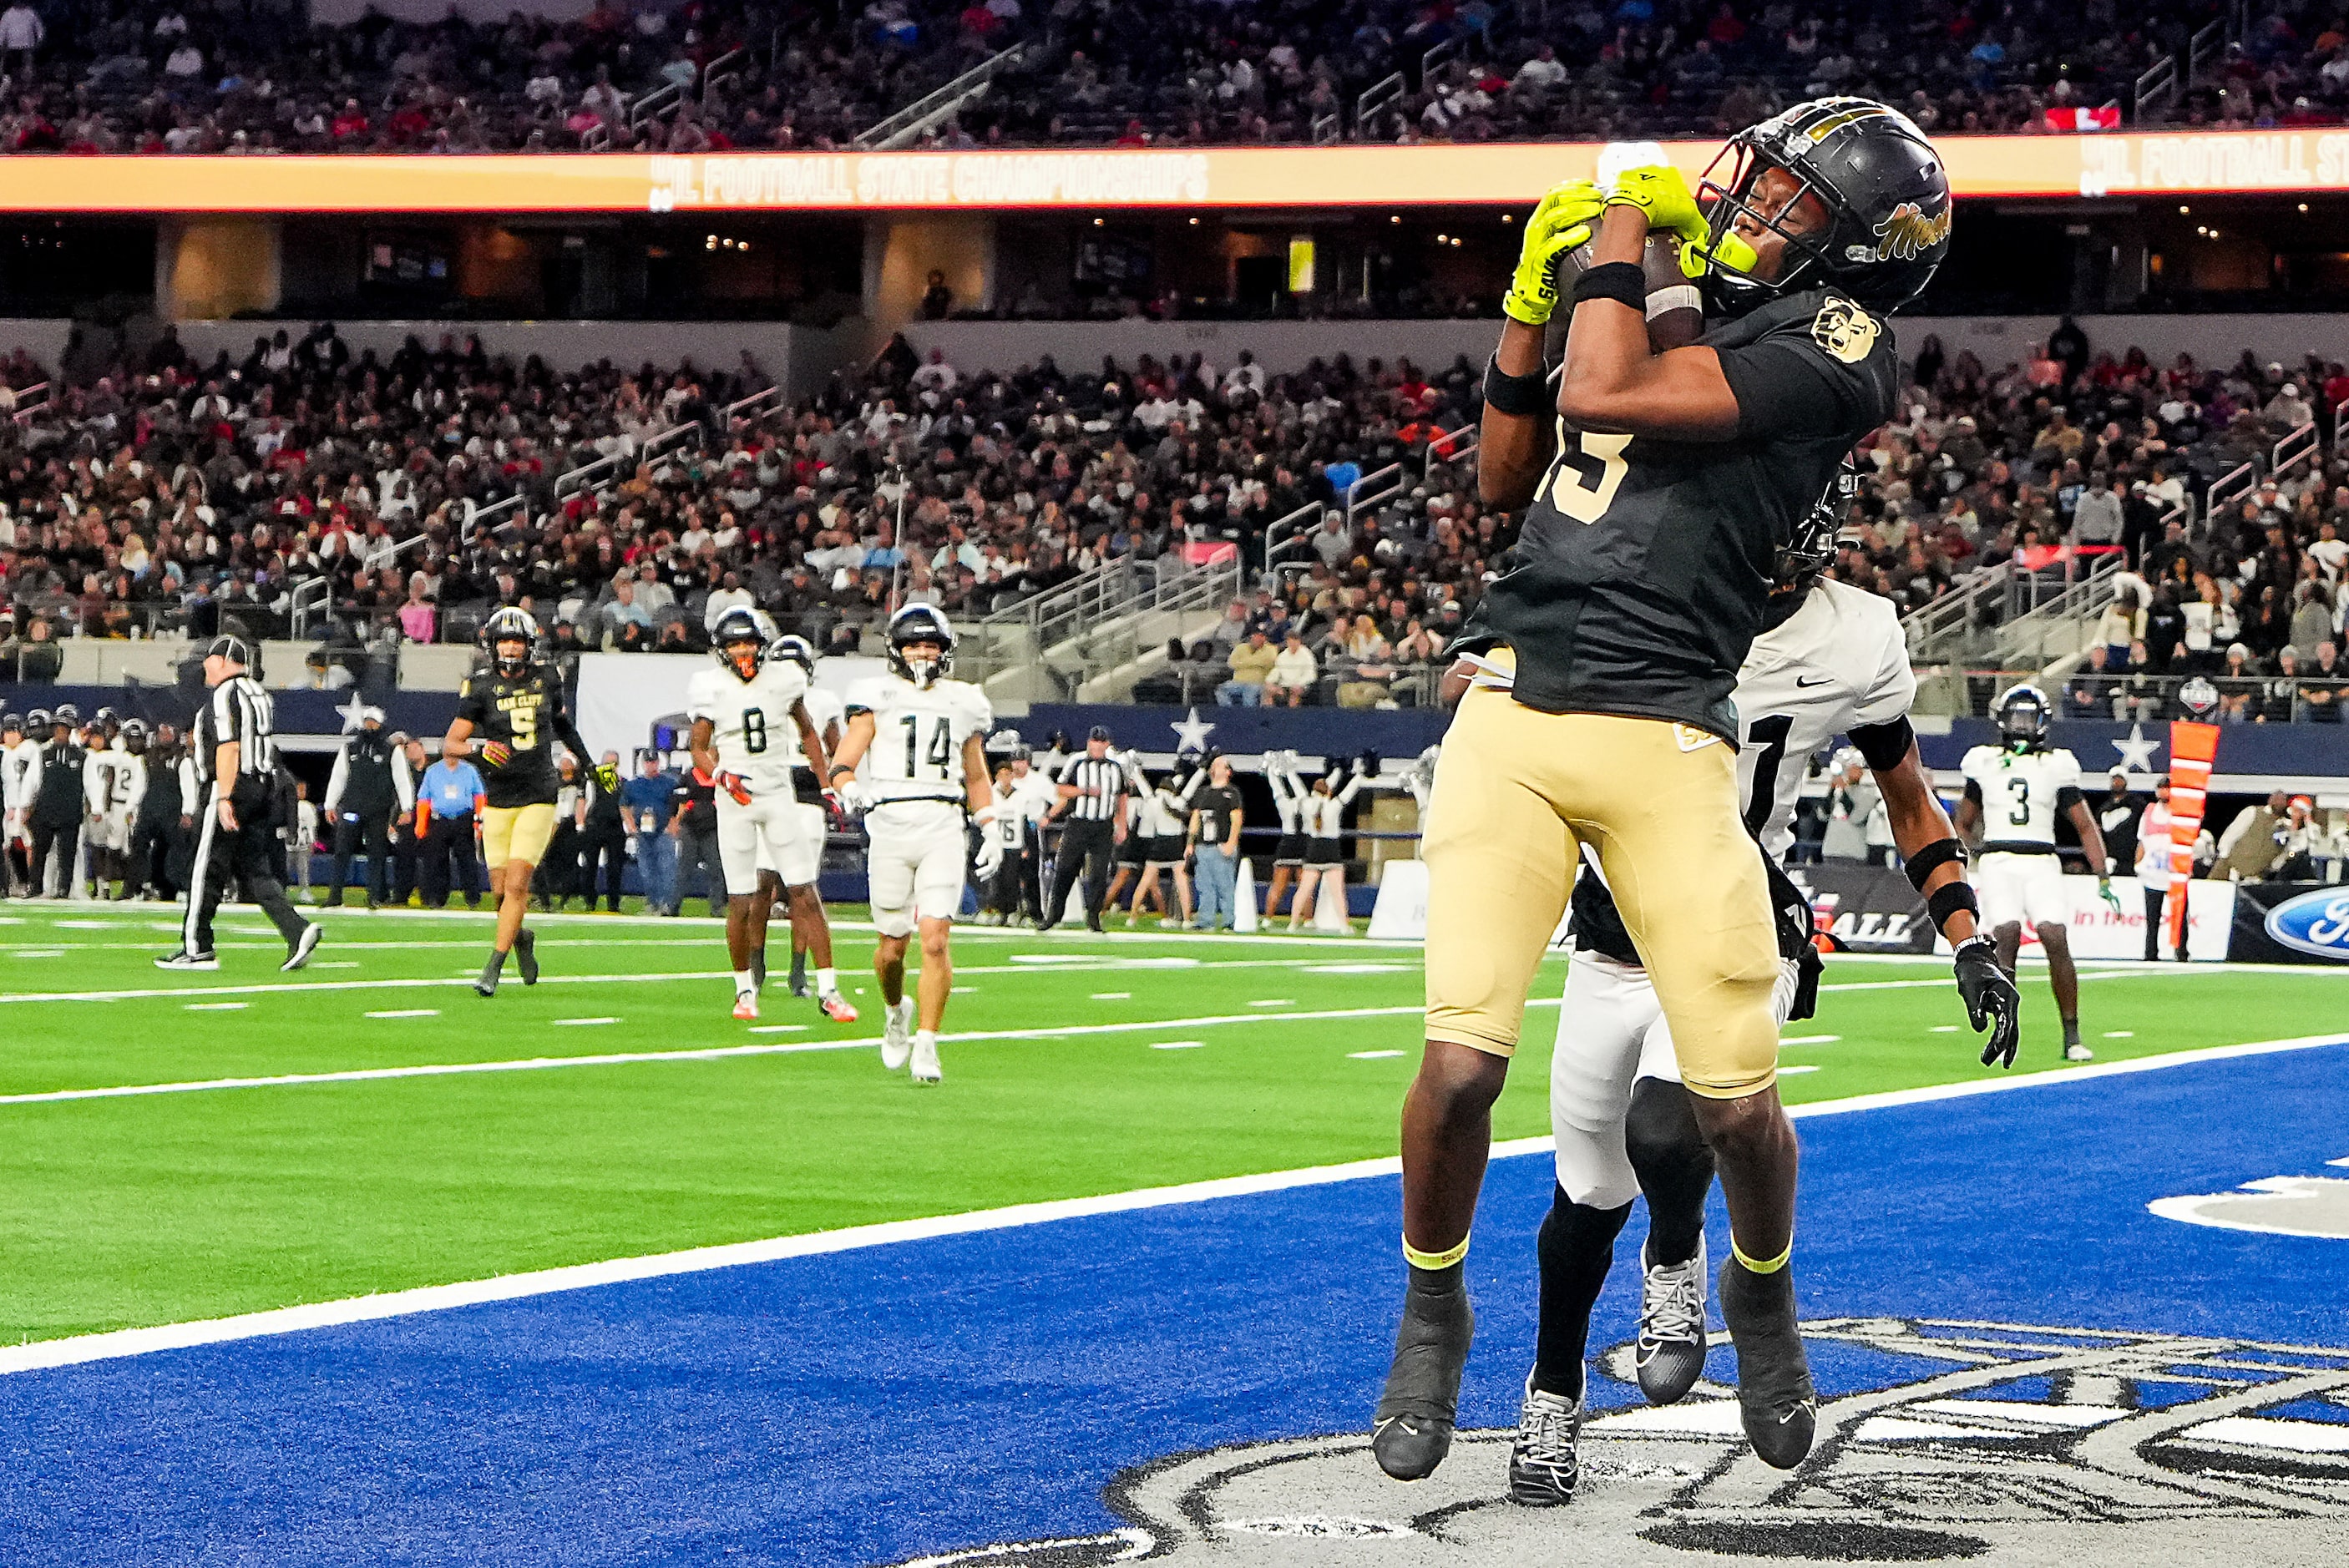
(719, 1052)
(80, 1349)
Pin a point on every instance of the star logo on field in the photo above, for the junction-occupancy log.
(2137, 751)
(354, 713)
(1191, 732)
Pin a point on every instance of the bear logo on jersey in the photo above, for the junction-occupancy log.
(1844, 330)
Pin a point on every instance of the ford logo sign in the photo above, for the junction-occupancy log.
(2315, 923)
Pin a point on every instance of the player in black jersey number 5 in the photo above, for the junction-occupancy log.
(509, 716)
(1657, 487)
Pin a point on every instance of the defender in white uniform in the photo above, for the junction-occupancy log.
(1833, 662)
(2014, 792)
(917, 738)
(114, 781)
(750, 717)
(790, 865)
(20, 759)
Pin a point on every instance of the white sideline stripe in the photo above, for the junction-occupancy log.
(79, 1349)
(699, 1053)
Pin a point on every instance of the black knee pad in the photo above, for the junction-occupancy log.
(1661, 1134)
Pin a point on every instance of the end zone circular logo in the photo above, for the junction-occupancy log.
(2004, 1443)
(2315, 923)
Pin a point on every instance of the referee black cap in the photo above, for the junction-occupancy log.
(1099, 732)
(235, 649)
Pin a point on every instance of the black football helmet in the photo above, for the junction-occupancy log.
(738, 643)
(1806, 552)
(1882, 183)
(509, 625)
(793, 648)
(67, 714)
(37, 723)
(12, 723)
(2022, 714)
(134, 736)
(918, 624)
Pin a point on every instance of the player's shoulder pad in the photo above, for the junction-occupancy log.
(866, 695)
(1977, 756)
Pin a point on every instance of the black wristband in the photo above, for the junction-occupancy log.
(1624, 282)
(1524, 396)
(1931, 858)
(1946, 900)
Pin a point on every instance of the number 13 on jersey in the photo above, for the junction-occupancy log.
(1590, 469)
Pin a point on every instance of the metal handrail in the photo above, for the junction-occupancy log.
(1290, 530)
(26, 409)
(480, 519)
(2208, 45)
(2063, 617)
(2302, 441)
(725, 68)
(1458, 446)
(596, 137)
(302, 603)
(1965, 608)
(1356, 500)
(577, 478)
(1327, 131)
(2231, 486)
(1375, 98)
(1439, 56)
(2156, 89)
(737, 409)
(668, 96)
(907, 124)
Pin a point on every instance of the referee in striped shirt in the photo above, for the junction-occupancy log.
(1092, 790)
(235, 762)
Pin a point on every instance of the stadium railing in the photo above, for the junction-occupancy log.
(905, 127)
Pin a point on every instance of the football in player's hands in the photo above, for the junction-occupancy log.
(496, 753)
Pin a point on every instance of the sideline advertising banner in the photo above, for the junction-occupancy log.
(2290, 922)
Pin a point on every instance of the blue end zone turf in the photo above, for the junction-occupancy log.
(870, 1405)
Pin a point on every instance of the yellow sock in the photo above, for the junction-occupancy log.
(1771, 1266)
(1443, 1260)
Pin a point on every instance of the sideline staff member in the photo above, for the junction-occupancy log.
(236, 772)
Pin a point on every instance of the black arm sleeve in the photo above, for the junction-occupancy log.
(2066, 799)
(1973, 790)
(1884, 745)
(472, 706)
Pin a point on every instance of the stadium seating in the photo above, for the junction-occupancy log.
(160, 76)
(360, 503)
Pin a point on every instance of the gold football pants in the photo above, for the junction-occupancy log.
(1516, 793)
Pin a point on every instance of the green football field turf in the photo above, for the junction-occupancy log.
(1093, 1064)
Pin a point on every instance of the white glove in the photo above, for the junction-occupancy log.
(989, 859)
(854, 797)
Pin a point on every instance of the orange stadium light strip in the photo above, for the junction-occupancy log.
(2114, 164)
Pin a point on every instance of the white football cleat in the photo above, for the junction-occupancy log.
(926, 1057)
(896, 1034)
(746, 1005)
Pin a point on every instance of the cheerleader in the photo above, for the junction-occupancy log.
(1322, 811)
(1162, 810)
(1287, 799)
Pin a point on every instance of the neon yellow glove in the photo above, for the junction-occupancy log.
(1658, 191)
(1562, 221)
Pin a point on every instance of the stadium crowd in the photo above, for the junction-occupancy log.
(160, 75)
(162, 494)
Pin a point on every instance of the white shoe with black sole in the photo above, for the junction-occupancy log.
(192, 960)
(304, 946)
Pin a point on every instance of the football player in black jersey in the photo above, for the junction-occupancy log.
(508, 718)
(1657, 487)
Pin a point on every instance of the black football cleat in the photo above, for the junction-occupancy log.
(1412, 1430)
(485, 984)
(526, 956)
(298, 955)
(1774, 1375)
(1669, 1354)
(1544, 1468)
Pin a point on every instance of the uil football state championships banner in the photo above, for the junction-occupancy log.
(1512, 175)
